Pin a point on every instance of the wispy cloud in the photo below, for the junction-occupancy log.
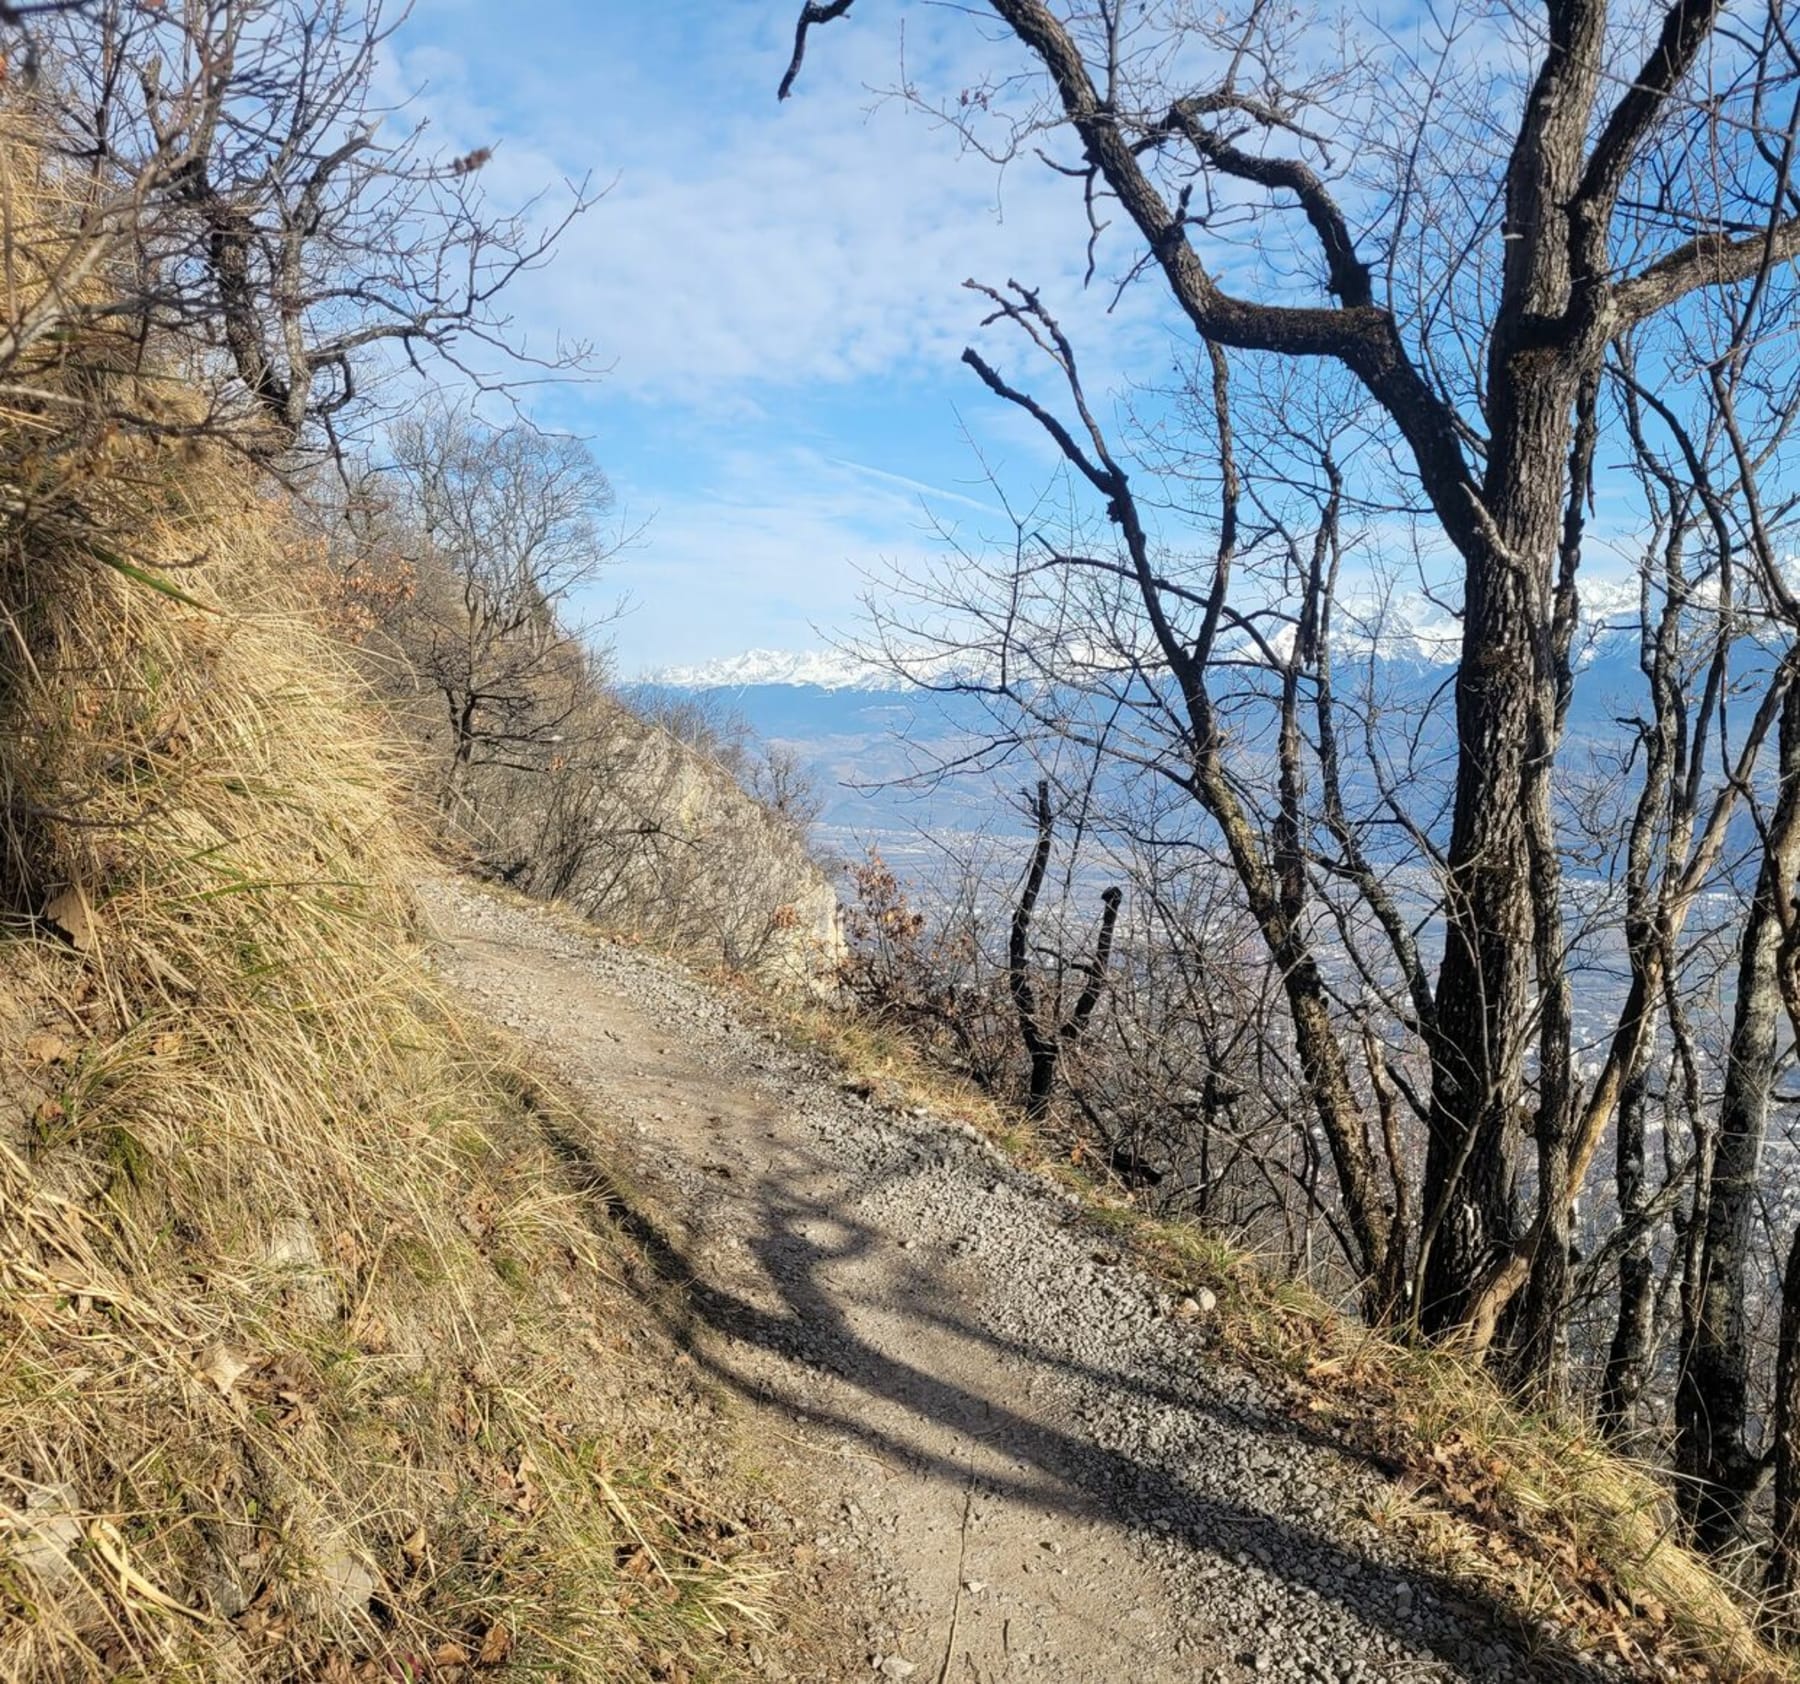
(744, 243)
(931, 493)
(777, 288)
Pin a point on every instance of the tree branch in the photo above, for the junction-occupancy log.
(1349, 275)
(1711, 260)
(814, 12)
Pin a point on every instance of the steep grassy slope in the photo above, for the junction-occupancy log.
(313, 1362)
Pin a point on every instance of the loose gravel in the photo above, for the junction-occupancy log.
(1030, 1460)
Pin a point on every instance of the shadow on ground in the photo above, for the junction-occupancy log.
(1060, 1471)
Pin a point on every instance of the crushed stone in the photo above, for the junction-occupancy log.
(1025, 1449)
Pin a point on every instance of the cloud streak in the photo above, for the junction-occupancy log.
(777, 289)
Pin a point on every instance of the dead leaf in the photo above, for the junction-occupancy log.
(525, 1496)
(45, 1046)
(495, 1647)
(71, 914)
(219, 1363)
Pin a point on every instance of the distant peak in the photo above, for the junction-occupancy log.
(822, 669)
(1410, 628)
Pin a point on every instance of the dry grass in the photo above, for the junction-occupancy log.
(1536, 1516)
(312, 1362)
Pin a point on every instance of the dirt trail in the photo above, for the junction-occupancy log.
(1036, 1470)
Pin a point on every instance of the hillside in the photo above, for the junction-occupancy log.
(1044, 1448)
(336, 1345)
(1224, 1110)
(316, 1364)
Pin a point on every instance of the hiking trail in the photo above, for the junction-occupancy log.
(1028, 1464)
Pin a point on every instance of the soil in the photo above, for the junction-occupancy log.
(1026, 1461)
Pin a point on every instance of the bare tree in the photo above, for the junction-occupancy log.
(1046, 1040)
(508, 523)
(1470, 282)
(255, 207)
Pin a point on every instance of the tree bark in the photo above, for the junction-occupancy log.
(1782, 1581)
(1628, 1355)
(1712, 1395)
(1044, 1047)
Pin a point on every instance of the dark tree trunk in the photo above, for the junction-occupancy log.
(1040, 1048)
(1503, 905)
(1783, 1578)
(1496, 897)
(1628, 1356)
(1044, 1047)
(1658, 804)
(1712, 1396)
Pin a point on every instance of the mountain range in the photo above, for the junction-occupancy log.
(869, 739)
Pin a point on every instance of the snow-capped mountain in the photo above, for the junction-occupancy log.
(821, 669)
(1414, 629)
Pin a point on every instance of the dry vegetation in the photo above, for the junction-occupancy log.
(315, 1359)
(318, 1359)
(458, 578)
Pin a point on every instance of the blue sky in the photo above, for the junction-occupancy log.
(776, 289)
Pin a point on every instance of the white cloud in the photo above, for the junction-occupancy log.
(773, 548)
(745, 242)
(777, 289)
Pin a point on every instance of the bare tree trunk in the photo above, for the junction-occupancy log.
(1044, 1047)
(1712, 1396)
(1500, 886)
(1782, 1581)
(1040, 1048)
(1628, 1356)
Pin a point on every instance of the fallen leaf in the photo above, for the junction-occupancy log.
(223, 1366)
(495, 1647)
(45, 1046)
(71, 914)
(525, 1497)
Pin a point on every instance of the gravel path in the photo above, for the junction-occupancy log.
(1036, 1468)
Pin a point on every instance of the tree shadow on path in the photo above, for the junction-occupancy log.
(1059, 1471)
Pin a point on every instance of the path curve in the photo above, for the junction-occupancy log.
(1037, 1471)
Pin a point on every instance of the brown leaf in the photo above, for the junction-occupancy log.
(525, 1493)
(45, 1046)
(495, 1646)
(223, 1366)
(71, 914)
(449, 1654)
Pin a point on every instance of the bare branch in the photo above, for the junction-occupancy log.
(814, 12)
